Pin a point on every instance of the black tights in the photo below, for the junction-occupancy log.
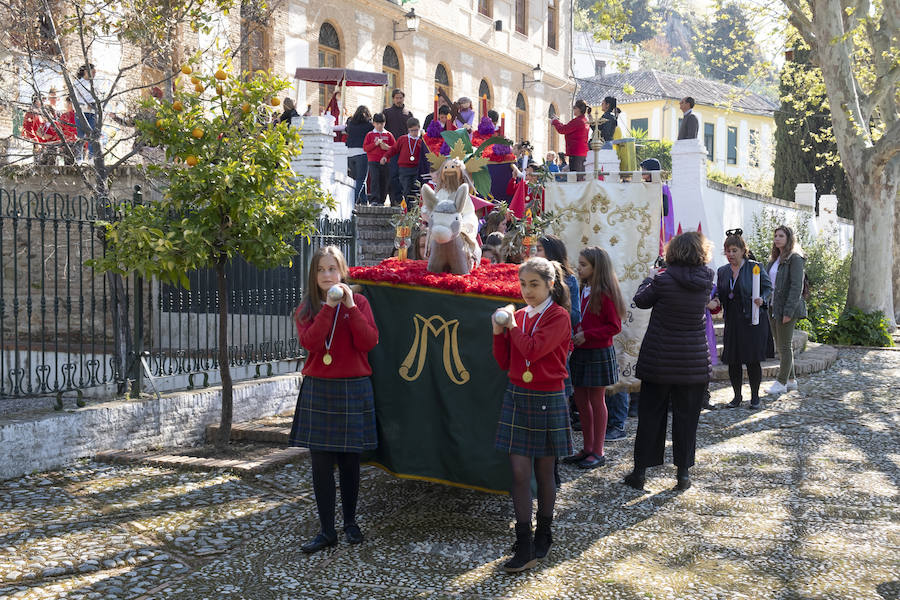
(323, 485)
(754, 374)
(521, 486)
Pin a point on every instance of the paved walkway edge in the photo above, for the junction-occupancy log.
(51, 440)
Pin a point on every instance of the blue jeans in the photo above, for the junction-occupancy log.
(617, 406)
(84, 131)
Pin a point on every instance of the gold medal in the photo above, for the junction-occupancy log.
(326, 360)
(527, 376)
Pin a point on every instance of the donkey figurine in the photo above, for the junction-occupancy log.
(451, 244)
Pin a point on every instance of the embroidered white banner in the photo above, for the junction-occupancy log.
(623, 219)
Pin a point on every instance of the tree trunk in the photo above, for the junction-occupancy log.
(896, 277)
(871, 283)
(874, 186)
(224, 369)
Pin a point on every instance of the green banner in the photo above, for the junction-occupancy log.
(438, 388)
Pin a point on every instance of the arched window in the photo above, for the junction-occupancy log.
(329, 56)
(484, 91)
(521, 118)
(442, 80)
(552, 135)
(390, 65)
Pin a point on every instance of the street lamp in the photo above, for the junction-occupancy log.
(537, 73)
(412, 24)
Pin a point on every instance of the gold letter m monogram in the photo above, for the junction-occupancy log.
(452, 363)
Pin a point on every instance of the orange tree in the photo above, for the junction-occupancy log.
(228, 190)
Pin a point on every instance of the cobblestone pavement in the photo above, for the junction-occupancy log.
(796, 501)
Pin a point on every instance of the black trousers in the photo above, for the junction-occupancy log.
(408, 177)
(650, 441)
(395, 188)
(378, 182)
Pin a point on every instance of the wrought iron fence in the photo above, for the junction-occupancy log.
(57, 316)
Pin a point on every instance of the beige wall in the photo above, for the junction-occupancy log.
(662, 119)
(452, 33)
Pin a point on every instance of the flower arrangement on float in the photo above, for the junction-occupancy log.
(500, 280)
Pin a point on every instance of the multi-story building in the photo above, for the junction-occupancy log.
(737, 127)
(474, 48)
(470, 48)
(592, 58)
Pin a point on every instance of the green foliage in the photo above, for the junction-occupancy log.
(858, 328)
(658, 149)
(716, 175)
(725, 46)
(805, 148)
(828, 273)
(240, 197)
(608, 20)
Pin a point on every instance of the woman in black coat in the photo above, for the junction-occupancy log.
(744, 343)
(357, 163)
(673, 364)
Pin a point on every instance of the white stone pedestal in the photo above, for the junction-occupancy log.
(688, 185)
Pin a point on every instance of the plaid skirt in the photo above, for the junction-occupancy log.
(335, 415)
(534, 423)
(594, 367)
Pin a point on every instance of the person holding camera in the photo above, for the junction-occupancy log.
(673, 364)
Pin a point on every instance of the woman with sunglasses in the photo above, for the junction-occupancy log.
(744, 342)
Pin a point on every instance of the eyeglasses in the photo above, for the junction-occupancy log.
(731, 232)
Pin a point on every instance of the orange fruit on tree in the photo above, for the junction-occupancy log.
(177, 106)
(219, 90)
(199, 88)
(197, 133)
(194, 80)
(245, 107)
(275, 101)
(186, 69)
(191, 160)
(220, 75)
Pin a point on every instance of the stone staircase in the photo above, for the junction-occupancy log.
(809, 357)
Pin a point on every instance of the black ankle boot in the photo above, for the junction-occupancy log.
(523, 557)
(683, 478)
(636, 478)
(543, 539)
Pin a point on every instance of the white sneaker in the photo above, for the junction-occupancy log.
(776, 389)
(792, 384)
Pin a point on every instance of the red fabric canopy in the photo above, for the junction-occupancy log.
(349, 77)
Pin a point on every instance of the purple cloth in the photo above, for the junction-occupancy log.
(501, 150)
(434, 128)
(486, 126)
(466, 117)
(667, 221)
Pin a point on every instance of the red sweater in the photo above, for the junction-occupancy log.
(599, 329)
(547, 349)
(576, 132)
(354, 336)
(373, 150)
(402, 147)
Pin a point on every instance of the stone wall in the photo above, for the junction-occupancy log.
(375, 236)
(47, 232)
(52, 440)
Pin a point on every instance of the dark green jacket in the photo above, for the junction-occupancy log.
(788, 297)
